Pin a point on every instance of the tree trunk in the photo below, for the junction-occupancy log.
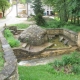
(3, 13)
(77, 19)
(74, 20)
(63, 13)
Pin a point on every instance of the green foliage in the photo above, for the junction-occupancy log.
(37, 7)
(76, 68)
(7, 33)
(13, 42)
(51, 23)
(72, 27)
(73, 60)
(39, 19)
(55, 23)
(38, 10)
(4, 4)
(21, 25)
(10, 38)
(66, 9)
(57, 63)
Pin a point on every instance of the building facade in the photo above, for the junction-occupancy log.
(48, 10)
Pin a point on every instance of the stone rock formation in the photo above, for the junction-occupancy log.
(34, 35)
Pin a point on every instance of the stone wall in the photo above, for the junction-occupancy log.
(56, 31)
(23, 54)
(73, 36)
(9, 71)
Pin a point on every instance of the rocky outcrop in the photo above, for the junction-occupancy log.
(34, 35)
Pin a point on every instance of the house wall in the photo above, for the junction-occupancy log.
(47, 10)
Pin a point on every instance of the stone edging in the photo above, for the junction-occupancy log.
(9, 71)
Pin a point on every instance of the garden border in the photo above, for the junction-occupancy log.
(10, 69)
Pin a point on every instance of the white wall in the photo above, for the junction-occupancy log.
(47, 10)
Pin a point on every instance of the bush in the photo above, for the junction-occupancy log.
(51, 23)
(71, 62)
(76, 68)
(66, 60)
(10, 38)
(13, 42)
(57, 63)
(7, 33)
(39, 19)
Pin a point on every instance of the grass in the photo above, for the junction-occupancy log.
(51, 23)
(21, 25)
(1, 57)
(55, 23)
(72, 27)
(44, 72)
(48, 72)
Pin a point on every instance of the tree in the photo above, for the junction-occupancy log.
(61, 7)
(67, 9)
(4, 4)
(75, 11)
(38, 10)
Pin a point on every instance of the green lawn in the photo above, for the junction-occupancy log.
(49, 72)
(54, 23)
(44, 72)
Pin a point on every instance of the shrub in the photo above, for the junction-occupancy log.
(69, 63)
(7, 33)
(66, 60)
(74, 58)
(51, 23)
(10, 38)
(13, 42)
(57, 63)
(76, 68)
(39, 19)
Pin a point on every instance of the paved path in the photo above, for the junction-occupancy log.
(11, 18)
